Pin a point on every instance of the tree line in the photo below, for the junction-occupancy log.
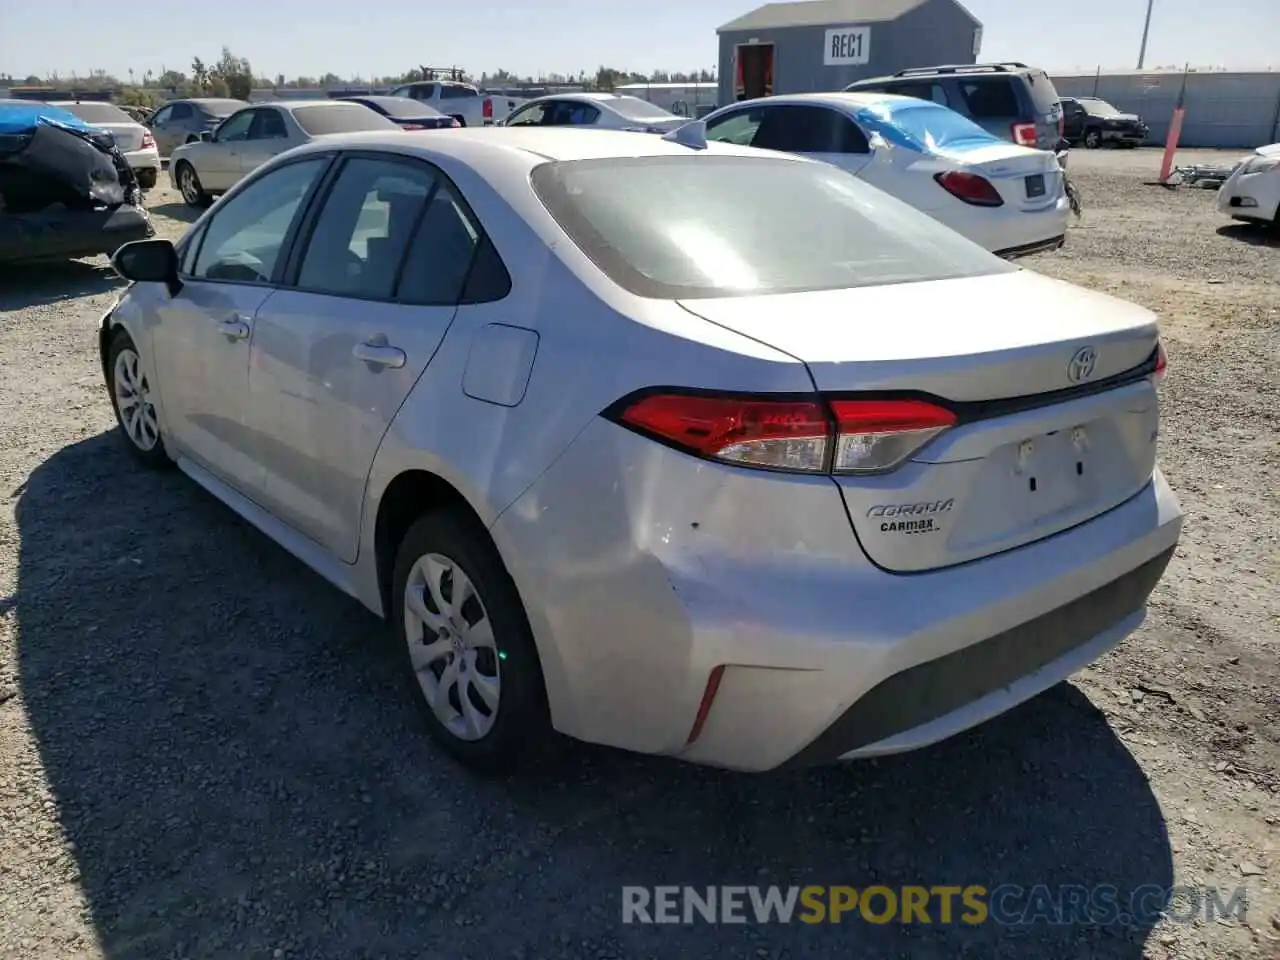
(233, 76)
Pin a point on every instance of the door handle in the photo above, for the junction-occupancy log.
(378, 353)
(234, 329)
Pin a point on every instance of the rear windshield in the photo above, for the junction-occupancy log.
(928, 126)
(403, 107)
(1043, 93)
(98, 112)
(221, 108)
(717, 226)
(325, 118)
(636, 109)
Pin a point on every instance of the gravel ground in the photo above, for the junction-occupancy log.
(204, 753)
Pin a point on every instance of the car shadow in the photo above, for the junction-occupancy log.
(1254, 234)
(176, 211)
(33, 284)
(231, 751)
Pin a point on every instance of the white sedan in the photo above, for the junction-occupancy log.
(252, 136)
(603, 111)
(1252, 192)
(1010, 199)
(133, 139)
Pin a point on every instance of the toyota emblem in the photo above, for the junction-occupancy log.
(1082, 364)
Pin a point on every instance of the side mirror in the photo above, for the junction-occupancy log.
(206, 136)
(149, 261)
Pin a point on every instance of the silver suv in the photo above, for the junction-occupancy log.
(1010, 100)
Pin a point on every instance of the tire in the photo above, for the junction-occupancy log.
(504, 722)
(1092, 139)
(193, 193)
(462, 121)
(130, 392)
(147, 178)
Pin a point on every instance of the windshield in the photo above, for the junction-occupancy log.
(98, 112)
(928, 126)
(326, 118)
(1100, 108)
(714, 225)
(633, 108)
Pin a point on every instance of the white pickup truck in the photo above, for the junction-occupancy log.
(462, 101)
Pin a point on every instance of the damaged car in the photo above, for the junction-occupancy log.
(66, 190)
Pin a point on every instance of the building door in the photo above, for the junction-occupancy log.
(754, 71)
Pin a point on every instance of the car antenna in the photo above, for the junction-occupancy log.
(692, 135)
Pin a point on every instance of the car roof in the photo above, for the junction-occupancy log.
(851, 100)
(529, 146)
(297, 104)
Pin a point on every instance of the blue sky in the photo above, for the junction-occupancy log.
(301, 37)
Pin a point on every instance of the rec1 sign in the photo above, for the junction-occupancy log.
(847, 46)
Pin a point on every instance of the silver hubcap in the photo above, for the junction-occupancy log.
(133, 399)
(187, 179)
(452, 647)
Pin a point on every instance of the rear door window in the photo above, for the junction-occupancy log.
(182, 111)
(921, 91)
(989, 99)
(797, 129)
(363, 231)
(443, 248)
(268, 125)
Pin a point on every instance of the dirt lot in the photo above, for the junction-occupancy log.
(203, 751)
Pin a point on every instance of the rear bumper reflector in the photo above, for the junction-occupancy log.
(704, 708)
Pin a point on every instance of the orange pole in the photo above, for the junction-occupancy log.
(1171, 144)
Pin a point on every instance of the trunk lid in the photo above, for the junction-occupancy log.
(1014, 469)
(128, 136)
(1027, 180)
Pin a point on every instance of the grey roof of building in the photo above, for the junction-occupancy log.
(815, 13)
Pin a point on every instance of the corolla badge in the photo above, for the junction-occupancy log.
(1082, 364)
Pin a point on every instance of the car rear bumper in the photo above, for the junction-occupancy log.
(644, 571)
(145, 159)
(66, 234)
(1009, 232)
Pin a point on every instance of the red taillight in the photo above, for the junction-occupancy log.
(782, 434)
(970, 188)
(148, 140)
(704, 708)
(806, 436)
(487, 109)
(1024, 134)
(1162, 361)
(877, 435)
(1062, 125)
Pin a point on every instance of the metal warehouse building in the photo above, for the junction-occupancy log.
(817, 45)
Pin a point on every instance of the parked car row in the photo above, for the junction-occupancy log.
(822, 491)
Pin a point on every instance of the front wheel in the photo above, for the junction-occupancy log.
(193, 193)
(133, 403)
(469, 654)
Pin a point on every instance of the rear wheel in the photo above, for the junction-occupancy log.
(470, 657)
(132, 401)
(1092, 139)
(189, 185)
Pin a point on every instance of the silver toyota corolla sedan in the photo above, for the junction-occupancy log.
(681, 447)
